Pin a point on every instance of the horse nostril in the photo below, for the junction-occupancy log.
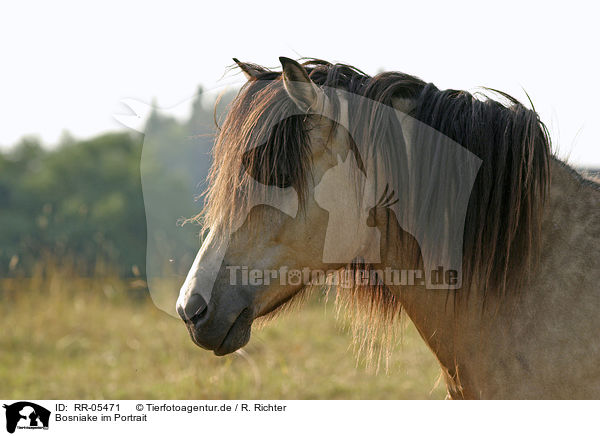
(198, 317)
(194, 307)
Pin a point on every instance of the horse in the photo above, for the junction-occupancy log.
(520, 322)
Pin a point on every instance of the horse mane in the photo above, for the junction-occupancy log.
(504, 214)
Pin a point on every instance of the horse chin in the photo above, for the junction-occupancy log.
(235, 338)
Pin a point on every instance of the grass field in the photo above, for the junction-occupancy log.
(64, 337)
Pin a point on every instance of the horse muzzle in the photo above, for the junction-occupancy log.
(221, 330)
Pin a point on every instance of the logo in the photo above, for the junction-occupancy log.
(26, 415)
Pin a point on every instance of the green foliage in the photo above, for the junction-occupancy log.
(80, 200)
(83, 199)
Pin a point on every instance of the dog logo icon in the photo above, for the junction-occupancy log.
(26, 415)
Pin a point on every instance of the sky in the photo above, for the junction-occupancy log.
(65, 66)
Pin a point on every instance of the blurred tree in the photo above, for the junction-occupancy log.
(82, 200)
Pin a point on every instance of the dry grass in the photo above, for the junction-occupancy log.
(67, 337)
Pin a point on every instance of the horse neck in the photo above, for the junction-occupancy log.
(508, 347)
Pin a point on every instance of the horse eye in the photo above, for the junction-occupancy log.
(253, 163)
(280, 182)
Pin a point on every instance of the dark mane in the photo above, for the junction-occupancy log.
(503, 223)
(504, 214)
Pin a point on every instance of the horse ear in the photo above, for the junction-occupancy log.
(305, 93)
(251, 71)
